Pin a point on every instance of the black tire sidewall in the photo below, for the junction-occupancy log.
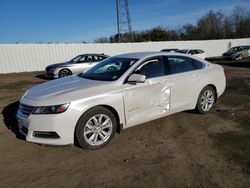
(198, 105)
(60, 72)
(82, 123)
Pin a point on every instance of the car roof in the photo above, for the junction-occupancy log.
(241, 46)
(170, 49)
(95, 54)
(191, 49)
(140, 55)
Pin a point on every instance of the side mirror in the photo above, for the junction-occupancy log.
(137, 78)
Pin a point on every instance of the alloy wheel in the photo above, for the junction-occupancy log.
(64, 73)
(240, 57)
(207, 100)
(97, 130)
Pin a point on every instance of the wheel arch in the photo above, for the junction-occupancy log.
(64, 68)
(215, 90)
(238, 55)
(111, 109)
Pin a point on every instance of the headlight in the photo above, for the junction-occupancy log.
(55, 109)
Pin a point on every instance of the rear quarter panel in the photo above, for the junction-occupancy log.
(210, 75)
(216, 76)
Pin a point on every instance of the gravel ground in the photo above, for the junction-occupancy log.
(181, 150)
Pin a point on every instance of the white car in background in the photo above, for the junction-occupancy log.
(140, 87)
(169, 50)
(195, 52)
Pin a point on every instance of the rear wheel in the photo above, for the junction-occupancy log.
(95, 128)
(239, 57)
(206, 100)
(64, 73)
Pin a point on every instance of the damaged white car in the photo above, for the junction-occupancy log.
(120, 92)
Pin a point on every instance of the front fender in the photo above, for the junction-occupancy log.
(113, 100)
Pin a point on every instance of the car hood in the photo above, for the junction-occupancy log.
(64, 90)
(56, 65)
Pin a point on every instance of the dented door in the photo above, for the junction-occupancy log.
(146, 101)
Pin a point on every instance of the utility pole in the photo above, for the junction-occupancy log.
(124, 27)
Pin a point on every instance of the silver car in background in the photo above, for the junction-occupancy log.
(237, 53)
(75, 66)
(195, 52)
(119, 92)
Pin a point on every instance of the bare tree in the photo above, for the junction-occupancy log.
(241, 20)
(213, 25)
(102, 40)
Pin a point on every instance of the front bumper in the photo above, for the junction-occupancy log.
(50, 129)
(49, 75)
(53, 73)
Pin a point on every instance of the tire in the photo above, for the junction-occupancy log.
(239, 57)
(95, 128)
(64, 72)
(205, 100)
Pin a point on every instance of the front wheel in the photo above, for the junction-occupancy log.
(206, 100)
(95, 128)
(64, 72)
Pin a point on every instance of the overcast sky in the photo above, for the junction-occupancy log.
(32, 21)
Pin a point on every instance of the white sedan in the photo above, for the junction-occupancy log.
(140, 87)
(195, 52)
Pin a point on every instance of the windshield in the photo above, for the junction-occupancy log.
(110, 69)
(75, 59)
(235, 49)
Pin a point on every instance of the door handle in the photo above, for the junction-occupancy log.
(163, 81)
(195, 75)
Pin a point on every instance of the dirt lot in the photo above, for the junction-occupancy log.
(181, 150)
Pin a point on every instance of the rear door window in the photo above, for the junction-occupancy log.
(100, 58)
(191, 52)
(198, 51)
(95, 58)
(183, 64)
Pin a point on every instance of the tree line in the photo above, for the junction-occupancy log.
(213, 25)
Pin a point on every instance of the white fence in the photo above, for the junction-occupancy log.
(35, 57)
